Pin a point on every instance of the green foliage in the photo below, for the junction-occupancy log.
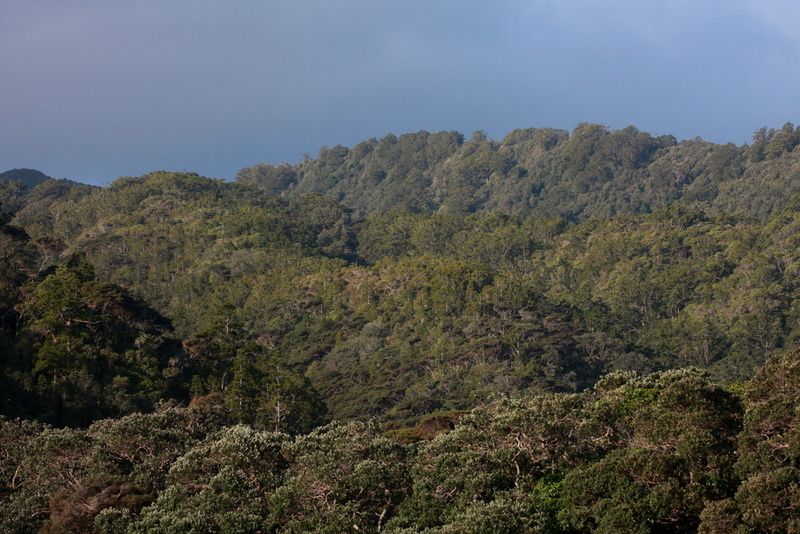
(404, 314)
(257, 387)
(27, 177)
(17, 186)
(342, 477)
(632, 455)
(396, 286)
(768, 498)
(679, 454)
(220, 485)
(592, 172)
(96, 350)
(59, 479)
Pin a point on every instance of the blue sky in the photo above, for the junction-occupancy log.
(93, 90)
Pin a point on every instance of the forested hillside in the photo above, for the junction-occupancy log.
(592, 172)
(28, 178)
(16, 184)
(556, 333)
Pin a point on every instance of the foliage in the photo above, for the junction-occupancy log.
(405, 314)
(492, 326)
(591, 173)
(633, 454)
(95, 350)
(768, 499)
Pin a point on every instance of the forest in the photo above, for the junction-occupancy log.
(566, 332)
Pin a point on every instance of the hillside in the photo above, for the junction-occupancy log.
(405, 313)
(595, 331)
(670, 452)
(28, 187)
(592, 172)
(28, 178)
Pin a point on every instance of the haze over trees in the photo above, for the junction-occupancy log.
(557, 332)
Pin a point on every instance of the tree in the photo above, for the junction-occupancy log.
(97, 350)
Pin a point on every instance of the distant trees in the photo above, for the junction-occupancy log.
(772, 144)
(492, 316)
(592, 172)
(400, 314)
(273, 179)
(443, 273)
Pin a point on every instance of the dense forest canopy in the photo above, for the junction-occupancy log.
(28, 178)
(592, 172)
(559, 332)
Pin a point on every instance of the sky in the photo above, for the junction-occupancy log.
(93, 90)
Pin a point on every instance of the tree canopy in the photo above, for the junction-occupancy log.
(556, 332)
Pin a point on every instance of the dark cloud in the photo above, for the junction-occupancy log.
(95, 89)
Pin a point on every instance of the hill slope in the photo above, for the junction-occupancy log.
(501, 330)
(28, 178)
(407, 314)
(592, 172)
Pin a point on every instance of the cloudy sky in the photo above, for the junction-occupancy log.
(92, 90)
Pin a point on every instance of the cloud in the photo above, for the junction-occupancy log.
(783, 16)
(96, 89)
